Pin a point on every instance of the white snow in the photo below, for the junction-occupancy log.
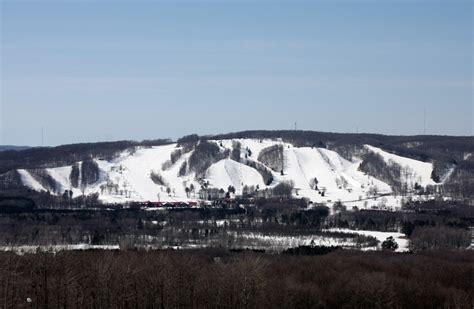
(61, 175)
(28, 180)
(339, 178)
(20, 250)
(283, 242)
(132, 172)
(418, 171)
(127, 177)
(400, 238)
(252, 240)
(255, 145)
(448, 174)
(228, 172)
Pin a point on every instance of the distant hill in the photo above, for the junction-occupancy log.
(11, 147)
(324, 167)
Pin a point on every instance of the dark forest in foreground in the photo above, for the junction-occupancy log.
(223, 279)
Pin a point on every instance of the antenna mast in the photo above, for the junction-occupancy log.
(424, 121)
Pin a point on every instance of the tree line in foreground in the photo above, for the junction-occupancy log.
(224, 279)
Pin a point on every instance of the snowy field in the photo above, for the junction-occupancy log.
(278, 243)
(400, 238)
(55, 248)
(234, 240)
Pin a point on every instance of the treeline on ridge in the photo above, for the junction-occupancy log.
(44, 157)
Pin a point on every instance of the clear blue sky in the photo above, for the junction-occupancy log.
(109, 70)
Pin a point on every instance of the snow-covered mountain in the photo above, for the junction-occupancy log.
(167, 173)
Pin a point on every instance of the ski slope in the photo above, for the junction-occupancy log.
(127, 177)
(418, 171)
(228, 172)
(339, 178)
(133, 171)
(28, 180)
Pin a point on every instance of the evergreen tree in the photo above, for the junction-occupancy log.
(389, 244)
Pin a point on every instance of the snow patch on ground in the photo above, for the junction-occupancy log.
(20, 250)
(448, 174)
(400, 238)
(278, 243)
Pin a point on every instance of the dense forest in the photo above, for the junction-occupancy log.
(272, 157)
(223, 279)
(428, 225)
(204, 155)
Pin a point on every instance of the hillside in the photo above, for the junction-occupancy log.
(12, 147)
(356, 173)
